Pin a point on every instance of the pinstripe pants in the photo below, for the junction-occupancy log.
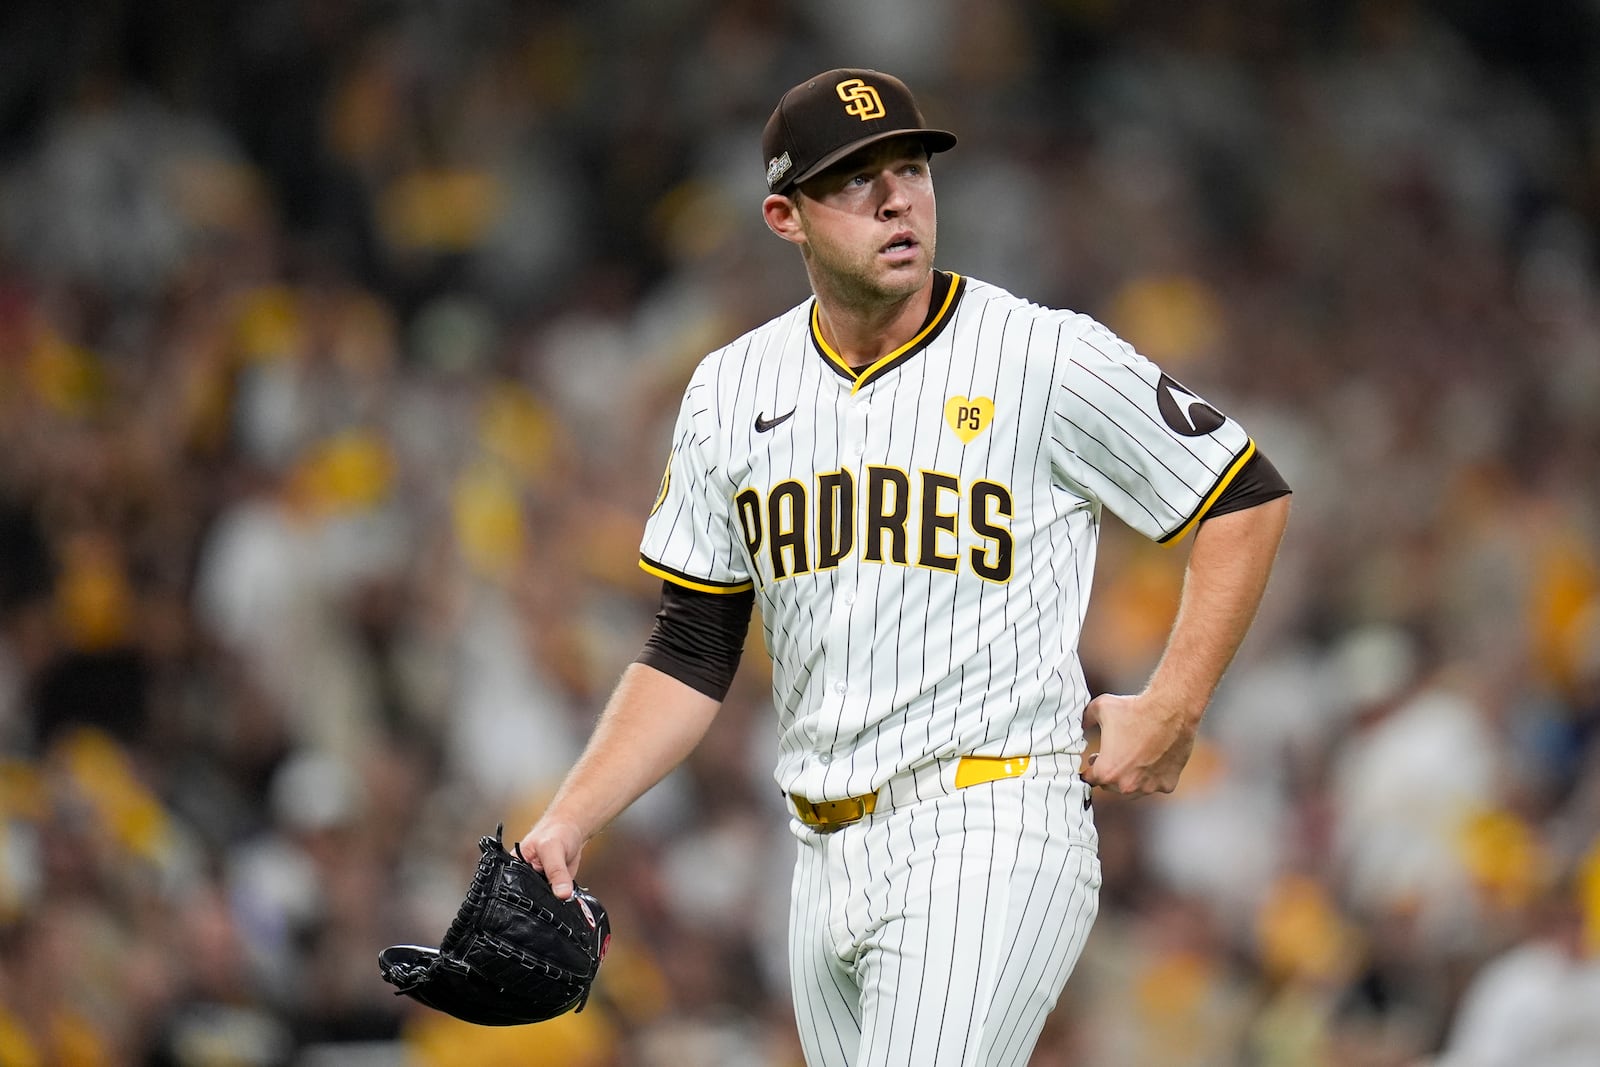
(940, 932)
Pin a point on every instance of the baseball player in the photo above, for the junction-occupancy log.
(909, 471)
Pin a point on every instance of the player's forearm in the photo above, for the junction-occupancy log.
(650, 724)
(1228, 568)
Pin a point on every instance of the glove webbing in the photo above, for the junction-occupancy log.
(406, 977)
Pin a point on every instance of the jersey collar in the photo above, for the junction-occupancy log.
(947, 290)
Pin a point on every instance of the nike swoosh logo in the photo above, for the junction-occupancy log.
(765, 424)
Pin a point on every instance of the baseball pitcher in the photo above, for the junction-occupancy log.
(909, 471)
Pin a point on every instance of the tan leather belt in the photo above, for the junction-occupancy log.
(826, 816)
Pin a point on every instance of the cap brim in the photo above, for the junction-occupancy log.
(935, 140)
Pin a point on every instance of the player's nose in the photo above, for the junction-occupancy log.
(894, 198)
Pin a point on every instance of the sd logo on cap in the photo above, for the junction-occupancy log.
(825, 118)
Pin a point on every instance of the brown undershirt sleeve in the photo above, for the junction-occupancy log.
(1257, 482)
(699, 637)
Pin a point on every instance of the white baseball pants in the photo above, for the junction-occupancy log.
(940, 932)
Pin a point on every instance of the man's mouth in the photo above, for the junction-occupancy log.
(901, 243)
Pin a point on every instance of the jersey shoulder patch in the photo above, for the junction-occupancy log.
(1183, 411)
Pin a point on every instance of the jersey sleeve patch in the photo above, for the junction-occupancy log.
(1130, 436)
(1185, 413)
(666, 483)
(690, 534)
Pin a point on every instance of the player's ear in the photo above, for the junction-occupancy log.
(783, 217)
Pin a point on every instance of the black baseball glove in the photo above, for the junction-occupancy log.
(516, 953)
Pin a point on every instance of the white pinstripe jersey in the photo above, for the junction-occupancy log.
(921, 534)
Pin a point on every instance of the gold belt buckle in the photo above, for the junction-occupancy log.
(827, 816)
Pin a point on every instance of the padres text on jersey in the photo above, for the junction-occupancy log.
(919, 533)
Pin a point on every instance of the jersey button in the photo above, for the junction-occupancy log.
(849, 599)
(840, 688)
(824, 759)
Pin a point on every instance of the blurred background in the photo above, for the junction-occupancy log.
(340, 343)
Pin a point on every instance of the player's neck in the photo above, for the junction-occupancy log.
(864, 331)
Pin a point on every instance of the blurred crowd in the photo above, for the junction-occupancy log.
(339, 348)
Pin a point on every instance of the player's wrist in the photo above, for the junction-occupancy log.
(1182, 707)
(556, 825)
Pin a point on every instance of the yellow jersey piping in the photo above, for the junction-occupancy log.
(1211, 498)
(930, 329)
(703, 585)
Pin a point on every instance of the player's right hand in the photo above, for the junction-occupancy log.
(554, 846)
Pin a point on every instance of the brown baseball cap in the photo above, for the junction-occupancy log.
(825, 118)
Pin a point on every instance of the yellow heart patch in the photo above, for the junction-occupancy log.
(968, 418)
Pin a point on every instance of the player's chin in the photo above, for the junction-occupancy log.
(905, 277)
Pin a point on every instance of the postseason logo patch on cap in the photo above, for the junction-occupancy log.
(777, 167)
